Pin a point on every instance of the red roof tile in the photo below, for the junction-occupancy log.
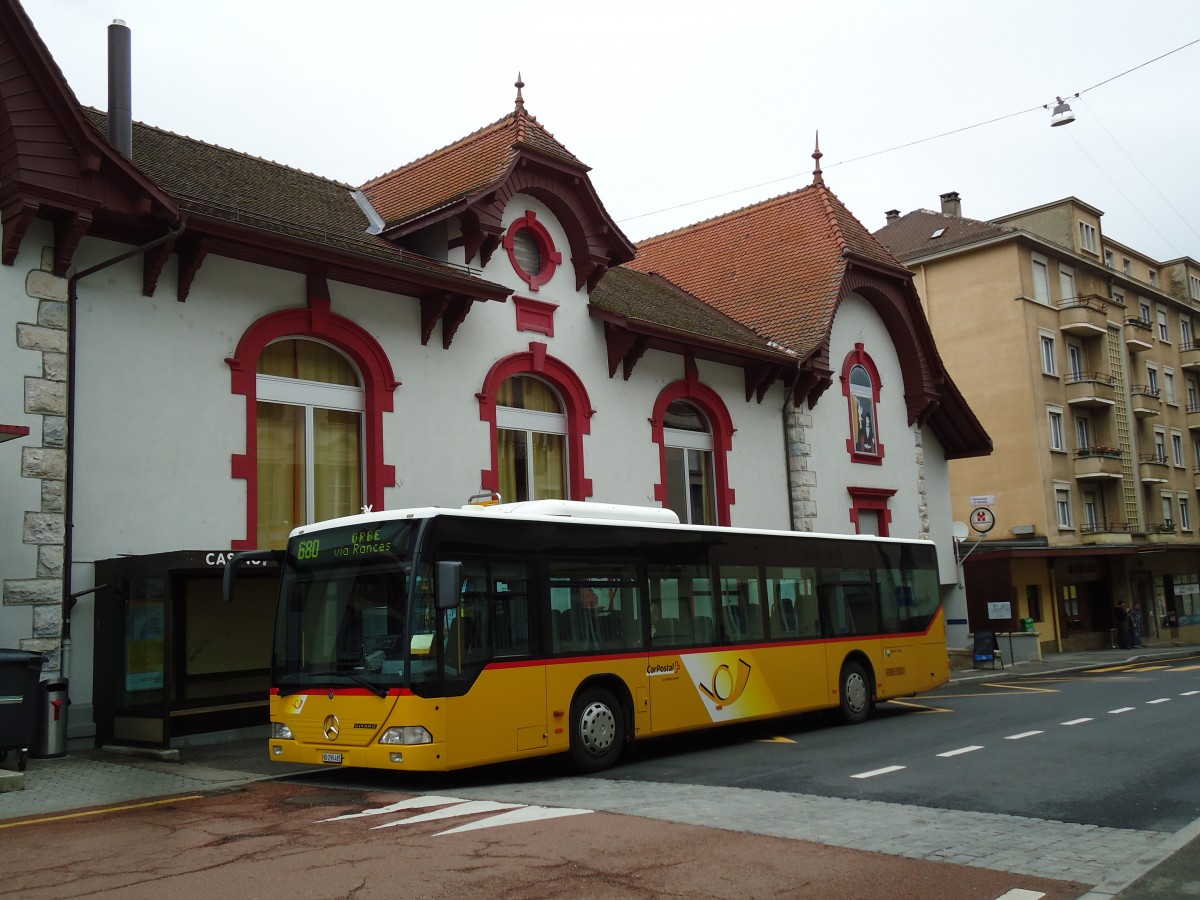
(776, 266)
(464, 168)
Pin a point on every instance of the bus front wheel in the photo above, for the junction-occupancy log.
(597, 730)
(855, 694)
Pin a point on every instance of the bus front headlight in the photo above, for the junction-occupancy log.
(281, 732)
(406, 734)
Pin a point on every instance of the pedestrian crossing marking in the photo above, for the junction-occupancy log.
(466, 808)
(518, 817)
(451, 807)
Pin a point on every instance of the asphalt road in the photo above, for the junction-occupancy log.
(1030, 788)
(1107, 748)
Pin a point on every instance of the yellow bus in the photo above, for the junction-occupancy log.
(437, 639)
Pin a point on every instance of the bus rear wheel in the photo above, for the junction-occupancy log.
(855, 694)
(597, 730)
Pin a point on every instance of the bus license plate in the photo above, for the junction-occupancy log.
(331, 758)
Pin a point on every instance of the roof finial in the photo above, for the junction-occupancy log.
(520, 100)
(818, 178)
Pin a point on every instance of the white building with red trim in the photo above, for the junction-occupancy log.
(211, 348)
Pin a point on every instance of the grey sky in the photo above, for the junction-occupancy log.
(673, 102)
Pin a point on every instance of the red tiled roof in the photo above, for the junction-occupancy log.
(776, 266)
(463, 168)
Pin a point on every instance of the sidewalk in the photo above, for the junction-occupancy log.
(103, 777)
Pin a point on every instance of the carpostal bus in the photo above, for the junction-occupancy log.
(437, 639)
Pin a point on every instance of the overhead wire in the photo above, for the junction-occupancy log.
(909, 143)
(1138, 169)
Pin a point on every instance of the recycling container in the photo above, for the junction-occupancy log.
(52, 721)
(20, 671)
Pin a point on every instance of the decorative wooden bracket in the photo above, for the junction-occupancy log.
(69, 230)
(191, 256)
(624, 349)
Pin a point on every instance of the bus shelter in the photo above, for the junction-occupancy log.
(172, 658)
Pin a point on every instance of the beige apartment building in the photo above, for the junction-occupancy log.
(1080, 357)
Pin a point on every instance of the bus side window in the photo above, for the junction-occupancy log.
(741, 602)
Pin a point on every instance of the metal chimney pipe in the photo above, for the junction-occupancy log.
(120, 88)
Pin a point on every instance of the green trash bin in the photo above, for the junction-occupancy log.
(1027, 624)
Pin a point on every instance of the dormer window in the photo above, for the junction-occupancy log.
(527, 253)
(531, 250)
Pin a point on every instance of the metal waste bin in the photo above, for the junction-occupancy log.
(19, 674)
(52, 721)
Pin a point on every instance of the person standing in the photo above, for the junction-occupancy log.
(1135, 624)
(1121, 617)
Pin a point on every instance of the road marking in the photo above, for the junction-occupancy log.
(411, 803)
(1122, 668)
(960, 751)
(466, 808)
(98, 812)
(925, 708)
(886, 770)
(518, 817)
(1008, 686)
(1189, 693)
(778, 739)
(1150, 668)
(1021, 894)
(1123, 709)
(1022, 735)
(509, 813)
(1186, 669)
(1159, 700)
(1075, 722)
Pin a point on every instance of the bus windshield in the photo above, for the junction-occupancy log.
(343, 608)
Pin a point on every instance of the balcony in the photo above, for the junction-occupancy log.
(1162, 532)
(1105, 533)
(1145, 401)
(1189, 355)
(1083, 316)
(1139, 334)
(1153, 469)
(1097, 462)
(1091, 389)
(1193, 416)
(1196, 478)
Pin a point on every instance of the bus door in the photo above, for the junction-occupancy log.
(496, 689)
(798, 668)
(683, 629)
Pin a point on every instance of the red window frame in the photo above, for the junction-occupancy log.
(551, 258)
(574, 396)
(874, 499)
(859, 357)
(379, 384)
(710, 404)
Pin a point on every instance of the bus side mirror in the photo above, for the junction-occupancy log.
(449, 581)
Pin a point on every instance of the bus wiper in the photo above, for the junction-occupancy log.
(377, 689)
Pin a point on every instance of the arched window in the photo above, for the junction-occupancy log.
(531, 438)
(538, 412)
(688, 445)
(694, 433)
(310, 437)
(298, 366)
(860, 386)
